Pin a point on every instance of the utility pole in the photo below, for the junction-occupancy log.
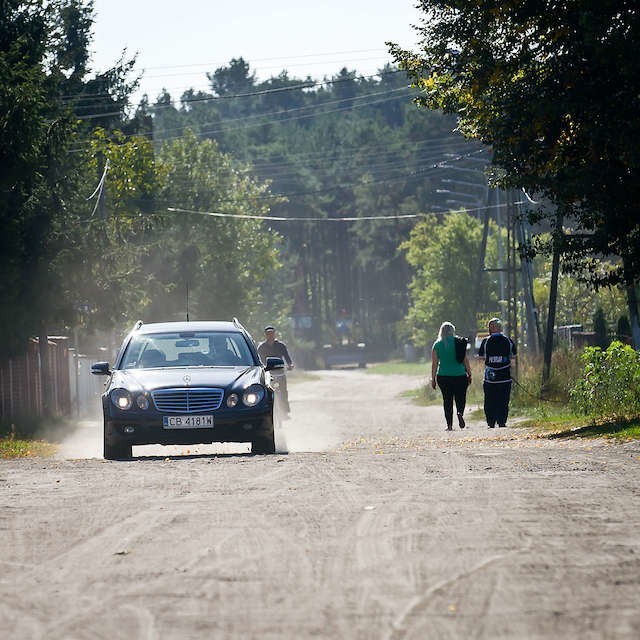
(500, 268)
(524, 240)
(558, 237)
(481, 260)
(512, 285)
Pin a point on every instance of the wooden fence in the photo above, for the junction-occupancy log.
(21, 392)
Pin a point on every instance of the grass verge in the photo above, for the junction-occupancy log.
(425, 396)
(562, 424)
(16, 448)
(30, 437)
(421, 396)
(400, 367)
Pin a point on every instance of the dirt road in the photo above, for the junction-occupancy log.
(377, 524)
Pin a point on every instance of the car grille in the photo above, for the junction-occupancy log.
(190, 400)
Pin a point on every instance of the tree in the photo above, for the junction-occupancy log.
(445, 257)
(350, 146)
(224, 263)
(43, 68)
(554, 88)
(37, 173)
(232, 80)
(577, 302)
(101, 268)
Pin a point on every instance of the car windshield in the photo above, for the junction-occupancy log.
(187, 349)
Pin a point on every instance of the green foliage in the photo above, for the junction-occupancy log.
(101, 266)
(43, 182)
(226, 264)
(27, 436)
(594, 386)
(528, 393)
(610, 386)
(577, 301)
(554, 88)
(106, 262)
(400, 367)
(146, 262)
(353, 147)
(445, 255)
(233, 79)
(16, 448)
(38, 175)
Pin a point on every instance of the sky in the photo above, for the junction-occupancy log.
(178, 41)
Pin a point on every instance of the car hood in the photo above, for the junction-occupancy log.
(150, 379)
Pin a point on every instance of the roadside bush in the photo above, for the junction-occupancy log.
(610, 384)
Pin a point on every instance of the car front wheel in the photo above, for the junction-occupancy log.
(115, 450)
(264, 443)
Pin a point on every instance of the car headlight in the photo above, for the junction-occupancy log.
(232, 400)
(142, 401)
(121, 398)
(253, 395)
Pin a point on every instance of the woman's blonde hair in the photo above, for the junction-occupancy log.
(446, 330)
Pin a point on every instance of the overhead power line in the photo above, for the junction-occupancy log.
(99, 190)
(263, 67)
(248, 121)
(380, 167)
(278, 115)
(92, 98)
(275, 58)
(405, 177)
(244, 216)
(220, 214)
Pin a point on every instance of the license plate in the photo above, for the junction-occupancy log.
(187, 422)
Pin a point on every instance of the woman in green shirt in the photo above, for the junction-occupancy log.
(453, 377)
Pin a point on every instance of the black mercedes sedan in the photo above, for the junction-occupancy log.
(187, 383)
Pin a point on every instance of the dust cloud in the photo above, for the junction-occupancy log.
(85, 442)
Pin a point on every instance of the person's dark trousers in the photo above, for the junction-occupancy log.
(496, 402)
(453, 387)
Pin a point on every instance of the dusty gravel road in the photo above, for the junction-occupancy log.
(377, 524)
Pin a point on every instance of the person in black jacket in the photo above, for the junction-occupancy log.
(497, 350)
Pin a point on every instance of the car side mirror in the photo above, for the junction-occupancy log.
(274, 364)
(100, 369)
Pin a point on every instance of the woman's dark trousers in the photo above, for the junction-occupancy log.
(453, 387)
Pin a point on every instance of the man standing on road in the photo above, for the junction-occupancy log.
(270, 347)
(497, 351)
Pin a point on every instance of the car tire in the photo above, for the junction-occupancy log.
(264, 444)
(113, 451)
